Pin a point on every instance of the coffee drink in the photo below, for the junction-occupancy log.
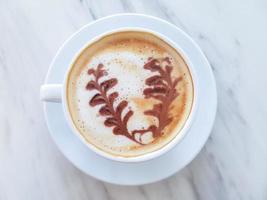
(129, 93)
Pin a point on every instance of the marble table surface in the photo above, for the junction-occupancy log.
(233, 163)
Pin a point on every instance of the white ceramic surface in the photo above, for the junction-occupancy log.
(232, 165)
(148, 171)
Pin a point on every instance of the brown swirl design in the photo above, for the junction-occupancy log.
(161, 87)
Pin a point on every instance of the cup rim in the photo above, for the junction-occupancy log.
(156, 153)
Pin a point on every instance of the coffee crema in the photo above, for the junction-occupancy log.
(129, 93)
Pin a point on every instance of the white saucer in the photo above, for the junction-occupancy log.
(152, 170)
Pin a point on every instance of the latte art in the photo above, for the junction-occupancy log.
(160, 87)
(129, 93)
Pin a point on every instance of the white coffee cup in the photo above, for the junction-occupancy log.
(57, 93)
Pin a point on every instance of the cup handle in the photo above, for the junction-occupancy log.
(51, 92)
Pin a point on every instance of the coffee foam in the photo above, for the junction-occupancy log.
(123, 56)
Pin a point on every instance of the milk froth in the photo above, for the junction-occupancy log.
(123, 56)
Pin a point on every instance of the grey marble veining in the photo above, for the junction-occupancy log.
(233, 163)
